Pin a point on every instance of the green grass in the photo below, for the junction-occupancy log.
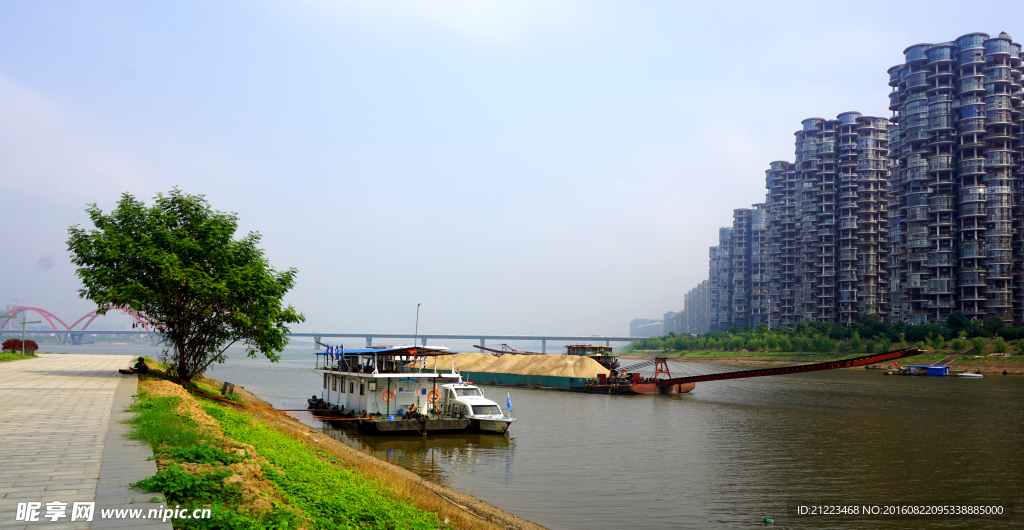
(758, 356)
(157, 423)
(15, 356)
(203, 387)
(318, 493)
(332, 496)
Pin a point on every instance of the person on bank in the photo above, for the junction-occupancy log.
(140, 368)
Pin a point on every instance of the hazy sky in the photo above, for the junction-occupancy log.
(516, 167)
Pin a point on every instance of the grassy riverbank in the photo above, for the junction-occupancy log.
(258, 469)
(987, 364)
(15, 356)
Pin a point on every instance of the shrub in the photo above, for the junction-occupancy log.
(1000, 345)
(979, 345)
(855, 342)
(15, 345)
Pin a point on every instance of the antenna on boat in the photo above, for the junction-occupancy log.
(416, 337)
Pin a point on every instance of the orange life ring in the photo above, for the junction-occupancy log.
(432, 396)
(389, 396)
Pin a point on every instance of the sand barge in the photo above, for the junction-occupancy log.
(541, 371)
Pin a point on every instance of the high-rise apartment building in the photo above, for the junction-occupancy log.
(720, 282)
(739, 271)
(956, 182)
(782, 218)
(827, 223)
(645, 327)
(695, 309)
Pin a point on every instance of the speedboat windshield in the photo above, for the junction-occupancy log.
(468, 392)
(481, 410)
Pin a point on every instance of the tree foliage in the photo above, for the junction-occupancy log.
(16, 346)
(177, 262)
(854, 337)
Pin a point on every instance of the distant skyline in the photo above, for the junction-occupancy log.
(516, 167)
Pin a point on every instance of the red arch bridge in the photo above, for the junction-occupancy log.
(143, 325)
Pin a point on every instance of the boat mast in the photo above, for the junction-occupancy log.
(416, 336)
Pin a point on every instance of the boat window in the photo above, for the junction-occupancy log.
(361, 389)
(486, 409)
(351, 388)
(468, 391)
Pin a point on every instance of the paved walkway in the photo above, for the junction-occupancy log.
(60, 440)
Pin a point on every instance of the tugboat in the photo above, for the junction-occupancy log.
(392, 390)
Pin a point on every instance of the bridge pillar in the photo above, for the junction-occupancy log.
(153, 339)
(62, 338)
(316, 342)
(424, 340)
(483, 343)
(76, 338)
(607, 343)
(369, 341)
(543, 345)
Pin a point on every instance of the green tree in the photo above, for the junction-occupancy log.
(979, 345)
(993, 325)
(855, 342)
(959, 345)
(1000, 345)
(903, 341)
(762, 328)
(177, 262)
(958, 320)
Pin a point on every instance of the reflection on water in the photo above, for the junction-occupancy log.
(437, 458)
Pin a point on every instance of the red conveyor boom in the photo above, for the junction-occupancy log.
(816, 367)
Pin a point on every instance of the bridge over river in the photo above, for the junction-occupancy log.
(143, 326)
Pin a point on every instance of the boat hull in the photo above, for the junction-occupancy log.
(490, 426)
(639, 388)
(414, 426)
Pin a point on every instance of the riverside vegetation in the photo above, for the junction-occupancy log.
(257, 469)
(869, 335)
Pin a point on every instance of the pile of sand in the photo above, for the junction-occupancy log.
(558, 365)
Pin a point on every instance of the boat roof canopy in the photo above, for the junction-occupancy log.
(402, 350)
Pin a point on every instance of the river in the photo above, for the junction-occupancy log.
(726, 455)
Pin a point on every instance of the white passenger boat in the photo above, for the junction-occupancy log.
(394, 390)
(466, 400)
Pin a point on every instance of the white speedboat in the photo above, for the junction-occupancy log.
(969, 374)
(463, 400)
